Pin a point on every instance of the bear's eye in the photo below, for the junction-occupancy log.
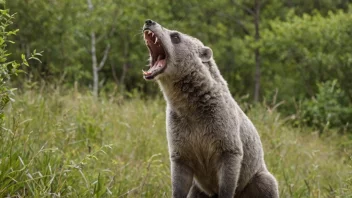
(175, 38)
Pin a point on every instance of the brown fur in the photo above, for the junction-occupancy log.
(215, 150)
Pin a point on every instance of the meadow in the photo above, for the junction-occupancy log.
(58, 143)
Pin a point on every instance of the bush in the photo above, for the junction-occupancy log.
(328, 109)
(8, 68)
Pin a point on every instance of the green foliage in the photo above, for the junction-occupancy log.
(9, 68)
(329, 108)
(304, 51)
(70, 145)
(67, 25)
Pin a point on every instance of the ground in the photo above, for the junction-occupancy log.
(67, 144)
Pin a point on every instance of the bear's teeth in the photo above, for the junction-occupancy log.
(156, 40)
(146, 72)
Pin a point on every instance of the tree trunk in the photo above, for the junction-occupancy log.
(94, 56)
(125, 66)
(94, 66)
(114, 74)
(257, 52)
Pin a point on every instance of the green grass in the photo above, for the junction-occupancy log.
(69, 145)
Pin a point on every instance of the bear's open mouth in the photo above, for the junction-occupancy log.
(157, 55)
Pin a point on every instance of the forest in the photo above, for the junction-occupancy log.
(78, 119)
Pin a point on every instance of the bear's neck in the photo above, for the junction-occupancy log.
(185, 94)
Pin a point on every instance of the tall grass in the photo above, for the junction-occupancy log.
(69, 145)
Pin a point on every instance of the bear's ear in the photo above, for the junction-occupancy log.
(205, 54)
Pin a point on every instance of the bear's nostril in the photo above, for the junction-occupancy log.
(149, 22)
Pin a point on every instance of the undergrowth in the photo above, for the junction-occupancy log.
(70, 145)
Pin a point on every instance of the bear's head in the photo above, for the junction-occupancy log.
(172, 53)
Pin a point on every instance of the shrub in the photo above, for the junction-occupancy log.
(329, 108)
(8, 68)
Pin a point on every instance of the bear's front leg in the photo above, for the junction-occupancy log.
(229, 174)
(181, 178)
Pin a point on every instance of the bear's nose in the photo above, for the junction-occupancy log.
(149, 22)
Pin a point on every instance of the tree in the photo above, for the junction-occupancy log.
(95, 66)
(67, 31)
(306, 50)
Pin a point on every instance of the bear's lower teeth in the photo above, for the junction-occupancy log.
(159, 62)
